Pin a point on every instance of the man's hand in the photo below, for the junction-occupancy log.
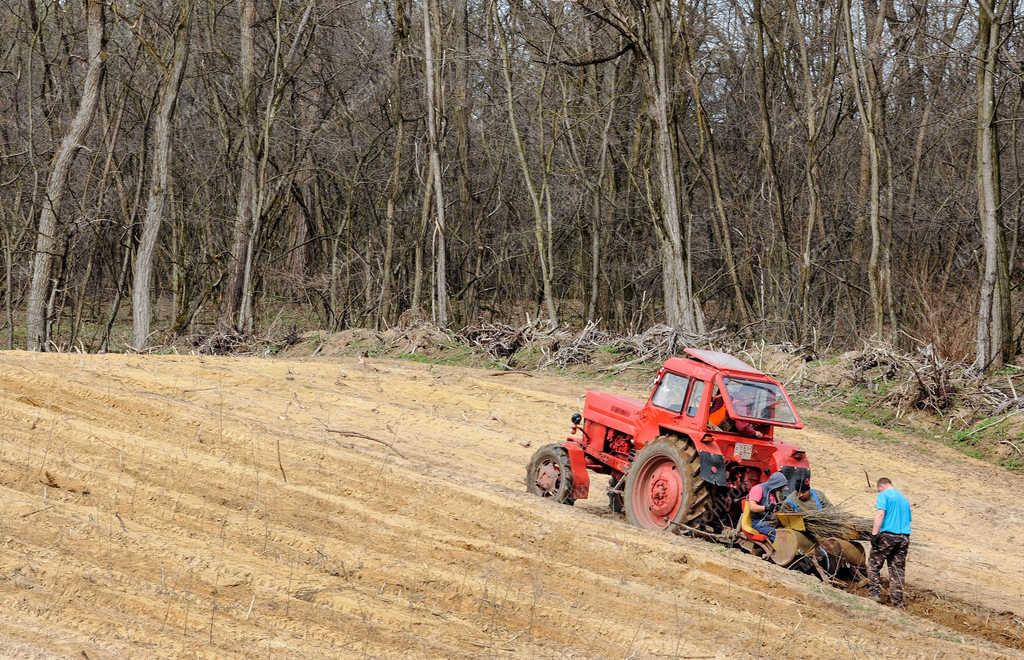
(771, 508)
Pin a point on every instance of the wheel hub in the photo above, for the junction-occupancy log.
(548, 476)
(664, 490)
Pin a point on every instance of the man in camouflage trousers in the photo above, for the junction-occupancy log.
(890, 540)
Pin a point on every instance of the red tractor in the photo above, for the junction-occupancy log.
(684, 459)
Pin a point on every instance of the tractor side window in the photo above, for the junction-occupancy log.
(696, 394)
(671, 392)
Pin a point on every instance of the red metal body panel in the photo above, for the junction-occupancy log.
(580, 476)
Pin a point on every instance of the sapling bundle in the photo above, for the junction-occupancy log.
(831, 521)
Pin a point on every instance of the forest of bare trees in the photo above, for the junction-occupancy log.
(814, 172)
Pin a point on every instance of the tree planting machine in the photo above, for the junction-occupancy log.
(685, 459)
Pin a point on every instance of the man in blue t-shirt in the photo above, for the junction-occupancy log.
(890, 540)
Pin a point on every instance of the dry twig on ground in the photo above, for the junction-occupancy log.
(356, 434)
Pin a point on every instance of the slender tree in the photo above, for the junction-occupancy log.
(159, 177)
(994, 340)
(37, 318)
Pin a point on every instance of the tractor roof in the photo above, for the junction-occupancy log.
(719, 361)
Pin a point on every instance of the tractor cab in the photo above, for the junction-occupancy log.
(741, 393)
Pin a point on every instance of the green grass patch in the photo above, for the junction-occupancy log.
(862, 404)
(529, 357)
(452, 356)
(1015, 463)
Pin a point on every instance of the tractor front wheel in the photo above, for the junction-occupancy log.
(549, 474)
(663, 487)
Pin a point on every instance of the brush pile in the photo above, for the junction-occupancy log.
(238, 343)
(833, 522)
(922, 380)
(502, 341)
(559, 346)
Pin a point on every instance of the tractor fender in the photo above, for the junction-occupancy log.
(712, 468)
(578, 465)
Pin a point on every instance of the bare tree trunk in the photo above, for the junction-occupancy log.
(159, 179)
(713, 179)
(469, 206)
(248, 164)
(536, 198)
(384, 301)
(262, 191)
(778, 207)
(680, 306)
(9, 284)
(866, 101)
(602, 213)
(813, 103)
(399, 37)
(993, 339)
(37, 331)
(417, 278)
(434, 97)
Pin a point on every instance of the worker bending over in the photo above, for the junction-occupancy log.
(763, 500)
(805, 498)
(890, 540)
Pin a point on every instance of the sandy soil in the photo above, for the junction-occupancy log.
(168, 506)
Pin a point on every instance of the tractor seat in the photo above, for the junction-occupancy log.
(747, 526)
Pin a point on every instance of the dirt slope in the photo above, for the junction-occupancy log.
(168, 506)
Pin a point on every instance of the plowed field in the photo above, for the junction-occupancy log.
(168, 506)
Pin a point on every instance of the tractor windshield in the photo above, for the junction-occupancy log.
(759, 400)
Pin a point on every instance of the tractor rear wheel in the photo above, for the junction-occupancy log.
(663, 486)
(549, 474)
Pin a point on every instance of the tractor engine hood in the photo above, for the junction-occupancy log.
(613, 410)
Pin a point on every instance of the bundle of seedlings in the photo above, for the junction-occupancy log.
(834, 522)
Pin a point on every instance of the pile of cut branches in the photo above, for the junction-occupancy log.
(920, 380)
(416, 337)
(562, 347)
(569, 349)
(659, 342)
(502, 341)
(225, 343)
(240, 343)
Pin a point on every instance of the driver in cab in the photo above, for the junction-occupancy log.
(719, 420)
